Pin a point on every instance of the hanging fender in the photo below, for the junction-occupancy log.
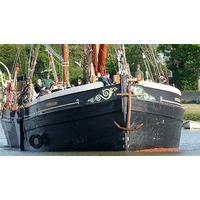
(36, 141)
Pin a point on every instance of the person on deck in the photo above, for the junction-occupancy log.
(116, 78)
(79, 82)
(38, 86)
(103, 79)
(109, 79)
(139, 75)
(47, 83)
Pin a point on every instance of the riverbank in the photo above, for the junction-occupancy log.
(190, 101)
(192, 112)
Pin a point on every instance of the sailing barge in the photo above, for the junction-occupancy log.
(124, 116)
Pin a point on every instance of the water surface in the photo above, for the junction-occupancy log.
(189, 146)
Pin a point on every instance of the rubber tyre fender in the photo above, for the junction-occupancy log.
(36, 141)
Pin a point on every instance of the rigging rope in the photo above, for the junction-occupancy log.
(150, 60)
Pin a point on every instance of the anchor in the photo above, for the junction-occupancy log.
(138, 126)
(128, 124)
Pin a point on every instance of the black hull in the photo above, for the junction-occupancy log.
(86, 128)
(91, 126)
(84, 132)
(161, 126)
(10, 131)
(81, 123)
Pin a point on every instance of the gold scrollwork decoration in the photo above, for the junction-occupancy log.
(106, 94)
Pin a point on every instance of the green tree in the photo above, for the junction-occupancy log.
(7, 54)
(184, 61)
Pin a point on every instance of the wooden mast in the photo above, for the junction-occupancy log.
(95, 52)
(17, 67)
(121, 57)
(31, 69)
(33, 61)
(96, 60)
(15, 104)
(88, 68)
(52, 66)
(65, 52)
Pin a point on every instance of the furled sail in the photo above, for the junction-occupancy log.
(96, 55)
(99, 58)
(103, 50)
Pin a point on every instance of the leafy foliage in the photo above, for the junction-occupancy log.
(134, 55)
(184, 61)
(7, 54)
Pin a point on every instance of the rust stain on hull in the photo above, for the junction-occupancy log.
(158, 150)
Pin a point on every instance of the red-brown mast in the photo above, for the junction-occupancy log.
(65, 52)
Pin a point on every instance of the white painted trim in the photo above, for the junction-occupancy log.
(51, 108)
(160, 86)
(172, 102)
(60, 106)
(68, 91)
